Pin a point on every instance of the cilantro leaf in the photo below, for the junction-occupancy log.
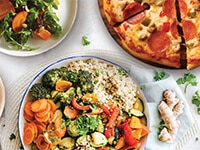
(85, 41)
(158, 75)
(188, 79)
(196, 100)
(12, 136)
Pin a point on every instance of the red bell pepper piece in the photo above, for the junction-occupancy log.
(79, 107)
(110, 132)
(129, 139)
(115, 113)
(105, 109)
(166, 27)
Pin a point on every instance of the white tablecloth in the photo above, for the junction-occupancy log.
(88, 23)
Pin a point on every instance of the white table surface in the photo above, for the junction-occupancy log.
(88, 23)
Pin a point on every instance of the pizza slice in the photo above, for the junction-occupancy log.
(190, 22)
(116, 11)
(152, 35)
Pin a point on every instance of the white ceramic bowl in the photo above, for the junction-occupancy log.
(58, 64)
(2, 96)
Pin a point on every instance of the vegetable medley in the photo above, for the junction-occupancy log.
(65, 114)
(28, 18)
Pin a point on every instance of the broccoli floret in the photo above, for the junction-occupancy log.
(50, 78)
(69, 75)
(66, 97)
(38, 91)
(86, 81)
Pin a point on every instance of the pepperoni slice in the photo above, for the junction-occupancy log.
(169, 9)
(183, 8)
(132, 9)
(174, 30)
(189, 29)
(137, 18)
(159, 42)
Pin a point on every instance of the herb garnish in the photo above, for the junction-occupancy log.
(159, 75)
(12, 136)
(85, 41)
(188, 79)
(196, 100)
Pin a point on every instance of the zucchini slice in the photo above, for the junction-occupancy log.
(138, 105)
(136, 113)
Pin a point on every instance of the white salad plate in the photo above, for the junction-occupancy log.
(2, 96)
(57, 64)
(67, 10)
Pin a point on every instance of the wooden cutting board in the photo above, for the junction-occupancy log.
(118, 40)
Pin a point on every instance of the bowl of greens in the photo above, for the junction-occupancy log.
(34, 27)
(83, 102)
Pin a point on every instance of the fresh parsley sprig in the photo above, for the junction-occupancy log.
(158, 75)
(196, 101)
(85, 41)
(187, 79)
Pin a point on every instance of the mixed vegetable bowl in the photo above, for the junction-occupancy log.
(61, 110)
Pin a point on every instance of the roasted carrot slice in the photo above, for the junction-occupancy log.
(70, 112)
(63, 85)
(39, 105)
(28, 118)
(53, 105)
(41, 127)
(44, 118)
(42, 33)
(45, 111)
(29, 133)
(19, 20)
(41, 143)
(27, 109)
(5, 7)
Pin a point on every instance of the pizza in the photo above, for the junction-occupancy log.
(164, 32)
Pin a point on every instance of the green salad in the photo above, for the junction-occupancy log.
(30, 18)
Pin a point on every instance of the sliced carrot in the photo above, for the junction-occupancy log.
(70, 112)
(42, 33)
(28, 118)
(39, 105)
(63, 85)
(53, 105)
(44, 118)
(41, 143)
(29, 133)
(44, 112)
(41, 127)
(27, 109)
(19, 20)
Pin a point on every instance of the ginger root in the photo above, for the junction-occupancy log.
(170, 108)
